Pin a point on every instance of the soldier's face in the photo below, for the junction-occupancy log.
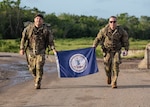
(38, 21)
(113, 23)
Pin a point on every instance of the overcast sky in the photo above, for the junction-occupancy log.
(100, 8)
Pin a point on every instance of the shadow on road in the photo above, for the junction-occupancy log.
(76, 86)
(133, 86)
(5, 56)
(97, 86)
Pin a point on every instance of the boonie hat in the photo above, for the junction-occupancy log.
(39, 15)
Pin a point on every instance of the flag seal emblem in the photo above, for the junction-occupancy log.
(78, 63)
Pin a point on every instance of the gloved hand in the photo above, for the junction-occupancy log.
(125, 53)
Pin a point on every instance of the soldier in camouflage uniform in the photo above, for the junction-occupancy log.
(36, 37)
(112, 38)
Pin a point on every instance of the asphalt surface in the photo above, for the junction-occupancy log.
(17, 86)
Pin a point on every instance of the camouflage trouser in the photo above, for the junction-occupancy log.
(36, 63)
(111, 62)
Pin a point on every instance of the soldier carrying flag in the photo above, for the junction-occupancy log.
(36, 37)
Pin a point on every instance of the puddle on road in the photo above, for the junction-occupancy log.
(17, 72)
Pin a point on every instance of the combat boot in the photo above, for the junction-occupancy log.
(108, 80)
(114, 85)
(38, 86)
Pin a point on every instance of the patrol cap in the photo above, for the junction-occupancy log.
(39, 15)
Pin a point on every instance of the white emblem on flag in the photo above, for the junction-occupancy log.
(78, 63)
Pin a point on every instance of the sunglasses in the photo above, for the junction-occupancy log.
(112, 21)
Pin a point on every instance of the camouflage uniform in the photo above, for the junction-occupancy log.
(35, 41)
(111, 43)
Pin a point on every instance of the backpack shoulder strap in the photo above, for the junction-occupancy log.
(30, 30)
(121, 30)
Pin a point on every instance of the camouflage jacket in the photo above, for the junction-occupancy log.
(37, 39)
(112, 40)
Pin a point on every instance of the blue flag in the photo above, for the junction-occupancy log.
(76, 63)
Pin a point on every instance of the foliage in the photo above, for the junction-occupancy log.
(65, 25)
(12, 18)
(9, 45)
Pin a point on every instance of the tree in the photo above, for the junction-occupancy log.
(13, 16)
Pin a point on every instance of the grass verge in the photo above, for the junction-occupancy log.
(71, 44)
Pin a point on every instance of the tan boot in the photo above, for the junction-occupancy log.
(114, 85)
(37, 86)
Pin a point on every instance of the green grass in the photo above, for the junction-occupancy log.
(70, 44)
(138, 44)
(9, 45)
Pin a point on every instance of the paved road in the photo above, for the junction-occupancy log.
(89, 91)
